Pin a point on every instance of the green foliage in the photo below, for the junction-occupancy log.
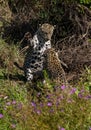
(85, 1)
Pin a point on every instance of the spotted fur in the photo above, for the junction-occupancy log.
(34, 59)
(54, 68)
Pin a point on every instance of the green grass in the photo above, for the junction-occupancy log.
(49, 109)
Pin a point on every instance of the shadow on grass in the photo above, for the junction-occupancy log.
(16, 77)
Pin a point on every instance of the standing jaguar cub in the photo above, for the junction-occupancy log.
(34, 59)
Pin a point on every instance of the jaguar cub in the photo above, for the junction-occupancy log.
(54, 67)
(34, 59)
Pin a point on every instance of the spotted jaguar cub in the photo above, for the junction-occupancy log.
(34, 59)
(54, 67)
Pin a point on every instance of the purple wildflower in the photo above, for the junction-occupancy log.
(90, 128)
(33, 104)
(73, 90)
(8, 103)
(82, 91)
(88, 97)
(51, 110)
(13, 102)
(38, 112)
(57, 103)
(13, 125)
(1, 115)
(19, 105)
(49, 104)
(61, 128)
(48, 96)
(41, 104)
(63, 87)
(80, 95)
(61, 97)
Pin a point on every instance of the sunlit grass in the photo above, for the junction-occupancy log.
(49, 108)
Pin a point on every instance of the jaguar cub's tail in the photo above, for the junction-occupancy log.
(17, 65)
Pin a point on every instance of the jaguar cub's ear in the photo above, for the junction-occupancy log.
(40, 25)
(54, 26)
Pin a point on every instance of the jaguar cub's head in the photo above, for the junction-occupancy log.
(46, 31)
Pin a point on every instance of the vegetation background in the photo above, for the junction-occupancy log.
(50, 107)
